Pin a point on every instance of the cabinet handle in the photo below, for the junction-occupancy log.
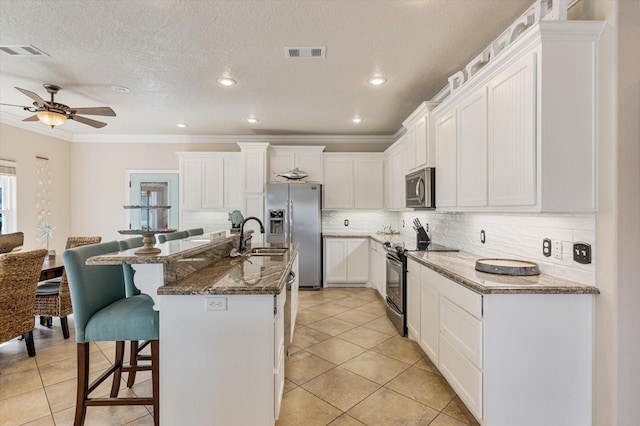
(420, 190)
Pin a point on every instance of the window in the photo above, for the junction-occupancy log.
(8, 205)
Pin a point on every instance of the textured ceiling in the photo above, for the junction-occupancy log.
(170, 53)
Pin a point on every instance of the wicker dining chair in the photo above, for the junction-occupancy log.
(53, 298)
(19, 274)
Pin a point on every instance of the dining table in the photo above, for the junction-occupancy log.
(52, 267)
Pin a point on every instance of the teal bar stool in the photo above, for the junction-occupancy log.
(136, 347)
(162, 238)
(103, 312)
(195, 231)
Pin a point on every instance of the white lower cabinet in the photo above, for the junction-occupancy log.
(378, 268)
(513, 359)
(413, 300)
(346, 260)
(279, 355)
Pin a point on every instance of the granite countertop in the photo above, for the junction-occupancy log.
(460, 267)
(171, 251)
(237, 275)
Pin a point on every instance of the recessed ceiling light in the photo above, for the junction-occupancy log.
(181, 125)
(377, 81)
(120, 89)
(226, 81)
(252, 120)
(356, 120)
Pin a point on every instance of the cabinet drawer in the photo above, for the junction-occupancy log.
(462, 329)
(468, 300)
(463, 376)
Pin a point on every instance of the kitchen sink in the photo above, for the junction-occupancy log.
(268, 251)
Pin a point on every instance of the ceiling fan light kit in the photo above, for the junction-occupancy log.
(51, 118)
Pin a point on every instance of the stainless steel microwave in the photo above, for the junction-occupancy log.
(420, 189)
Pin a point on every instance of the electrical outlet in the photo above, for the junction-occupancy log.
(546, 247)
(483, 238)
(215, 303)
(346, 222)
(582, 253)
(557, 250)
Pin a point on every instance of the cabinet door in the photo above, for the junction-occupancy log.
(398, 168)
(233, 183)
(512, 135)
(413, 301)
(212, 183)
(472, 151)
(310, 163)
(410, 146)
(280, 162)
(446, 149)
(191, 183)
(429, 317)
(337, 192)
(358, 260)
(421, 138)
(368, 183)
(335, 260)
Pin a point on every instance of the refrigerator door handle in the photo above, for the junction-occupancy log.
(290, 222)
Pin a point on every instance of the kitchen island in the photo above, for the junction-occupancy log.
(221, 329)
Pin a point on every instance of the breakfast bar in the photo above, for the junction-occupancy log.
(221, 327)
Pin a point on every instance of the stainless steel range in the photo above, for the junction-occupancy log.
(397, 274)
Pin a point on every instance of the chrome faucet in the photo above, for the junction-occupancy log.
(243, 243)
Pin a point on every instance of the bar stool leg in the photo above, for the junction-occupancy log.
(155, 377)
(117, 373)
(133, 361)
(65, 327)
(83, 383)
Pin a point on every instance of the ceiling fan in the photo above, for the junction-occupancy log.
(54, 114)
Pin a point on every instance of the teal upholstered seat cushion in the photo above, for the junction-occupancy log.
(48, 288)
(131, 318)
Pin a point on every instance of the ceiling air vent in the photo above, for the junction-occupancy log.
(305, 52)
(26, 50)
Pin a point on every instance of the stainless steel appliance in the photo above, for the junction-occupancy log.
(288, 305)
(292, 214)
(420, 189)
(396, 284)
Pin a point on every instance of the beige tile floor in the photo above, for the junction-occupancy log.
(348, 366)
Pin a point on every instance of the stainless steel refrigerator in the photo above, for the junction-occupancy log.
(292, 214)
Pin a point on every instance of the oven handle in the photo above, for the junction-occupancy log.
(391, 258)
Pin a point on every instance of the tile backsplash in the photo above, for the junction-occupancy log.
(359, 221)
(515, 236)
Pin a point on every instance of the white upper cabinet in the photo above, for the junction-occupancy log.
(472, 150)
(446, 158)
(525, 130)
(352, 181)
(394, 173)
(210, 181)
(306, 158)
(419, 141)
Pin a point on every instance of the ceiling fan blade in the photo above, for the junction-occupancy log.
(19, 106)
(94, 111)
(85, 120)
(34, 96)
(32, 118)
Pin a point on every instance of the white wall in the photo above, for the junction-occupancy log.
(23, 146)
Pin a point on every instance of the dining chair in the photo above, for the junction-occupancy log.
(161, 238)
(103, 312)
(195, 231)
(19, 274)
(11, 242)
(52, 296)
(131, 290)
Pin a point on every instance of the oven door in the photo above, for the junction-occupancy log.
(395, 282)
